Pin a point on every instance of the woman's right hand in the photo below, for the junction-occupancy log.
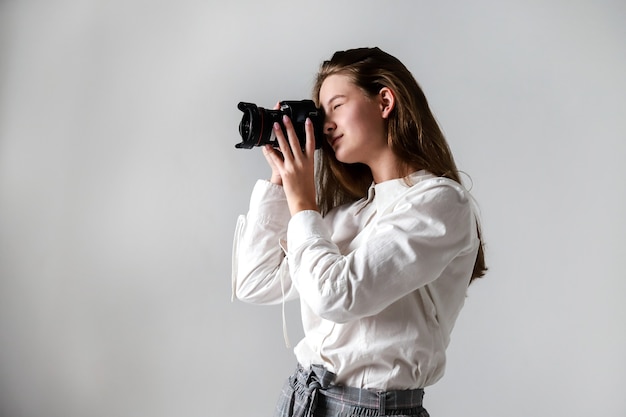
(268, 150)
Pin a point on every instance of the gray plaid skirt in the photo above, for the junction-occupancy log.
(309, 393)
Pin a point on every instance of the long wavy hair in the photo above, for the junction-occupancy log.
(413, 134)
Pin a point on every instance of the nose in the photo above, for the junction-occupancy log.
(329, 126)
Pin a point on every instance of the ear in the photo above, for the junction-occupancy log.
(387, 100)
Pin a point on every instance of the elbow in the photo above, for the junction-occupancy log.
(258, 289)
(240, 291)
(243, 291)
(335, 310)
(332, 300)
(336, 317)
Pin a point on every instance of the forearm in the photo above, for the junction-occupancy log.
(260, 273)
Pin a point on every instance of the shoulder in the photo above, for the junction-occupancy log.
(438, 188)
(434, 199)
(418, 190)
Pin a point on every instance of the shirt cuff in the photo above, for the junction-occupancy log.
(306, 225)
(268, 201)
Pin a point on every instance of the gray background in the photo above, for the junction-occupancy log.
(120, 187)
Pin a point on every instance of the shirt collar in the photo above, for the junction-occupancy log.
(388, 191)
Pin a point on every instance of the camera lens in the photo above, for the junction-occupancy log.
(256, 123)
(244, 127)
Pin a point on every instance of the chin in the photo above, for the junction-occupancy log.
(342, 157)
(346, 159)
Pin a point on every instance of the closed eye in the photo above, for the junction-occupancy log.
(335, 101)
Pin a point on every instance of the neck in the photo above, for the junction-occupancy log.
(388, 167)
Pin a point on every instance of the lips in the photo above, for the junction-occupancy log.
(334, 140)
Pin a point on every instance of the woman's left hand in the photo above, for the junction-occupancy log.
(297, 168)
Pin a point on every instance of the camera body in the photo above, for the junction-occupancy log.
(256, 126)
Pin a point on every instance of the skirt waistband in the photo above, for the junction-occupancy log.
(319, 379)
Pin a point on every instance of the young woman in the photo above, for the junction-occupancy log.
(379, 241)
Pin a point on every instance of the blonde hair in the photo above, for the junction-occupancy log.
(413, 134)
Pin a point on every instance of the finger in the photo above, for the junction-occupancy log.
(293, 137)
(273, 158)
(271, 155)
(310, 137)
(267, 153)
(282, 142)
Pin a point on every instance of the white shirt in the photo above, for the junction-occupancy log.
(381, 281)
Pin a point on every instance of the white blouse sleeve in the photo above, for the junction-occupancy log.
(260, 271)
(413, 241)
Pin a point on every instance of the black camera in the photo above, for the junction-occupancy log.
(256, 126)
